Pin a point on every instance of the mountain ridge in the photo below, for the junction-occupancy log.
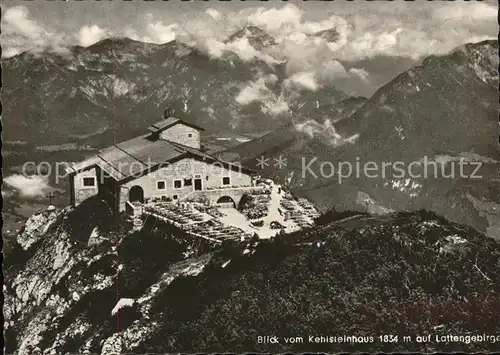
(122, 77)
(417, 115)
(62, 282)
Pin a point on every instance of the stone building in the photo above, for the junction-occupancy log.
(164, 164)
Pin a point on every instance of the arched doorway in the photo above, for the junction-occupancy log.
(226, 201)
(136, 194)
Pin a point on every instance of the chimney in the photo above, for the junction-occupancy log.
(167, 113)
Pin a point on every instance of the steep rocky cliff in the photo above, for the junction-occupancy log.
(80, 281)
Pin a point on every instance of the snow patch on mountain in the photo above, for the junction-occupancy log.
(122, 303)
(122, 87)
(406, 185)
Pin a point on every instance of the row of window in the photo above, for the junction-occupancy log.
(179, 183)
(160, 185)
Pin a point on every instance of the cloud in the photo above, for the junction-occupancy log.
(210, 31)
(16, 19)
(216, 15)
(305, 80)
(33, 186)
(20, 33)
(325, 72)
(373, 44)
(260, 91)
(476, 12)
(285, 18)
(10, 52)
(89, 35)
(333, 69)
(134, 34)
(397, 30)
(204, 33)
(159, 32)
(242, 48)
(359, 73)
(256, 90)
(153, 31)
(436, 29)
(213, 47)
(325, 131)
(276, 107)
(382, 29)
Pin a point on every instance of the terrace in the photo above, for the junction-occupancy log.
(195, 219)
(301, 211)
(267, 211)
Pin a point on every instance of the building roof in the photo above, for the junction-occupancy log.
(211, 158)
(137, 155)
(131, 158)
(169, 122)
(83, 165)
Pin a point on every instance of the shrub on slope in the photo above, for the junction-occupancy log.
(403, 276)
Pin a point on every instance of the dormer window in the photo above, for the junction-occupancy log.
(176, 130)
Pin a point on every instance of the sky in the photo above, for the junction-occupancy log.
(405, 31)
(404, 28)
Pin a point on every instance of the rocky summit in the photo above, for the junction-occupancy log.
(96, 285)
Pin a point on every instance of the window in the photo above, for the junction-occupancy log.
(175, 197)
(226, 180)
(88, 181)
(190, 135)
(188, 182)
(160, 185)
(177, 184)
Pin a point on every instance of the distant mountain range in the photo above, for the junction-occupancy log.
(446, 104)
(119, 86)
(257, 37)
(444, 109)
